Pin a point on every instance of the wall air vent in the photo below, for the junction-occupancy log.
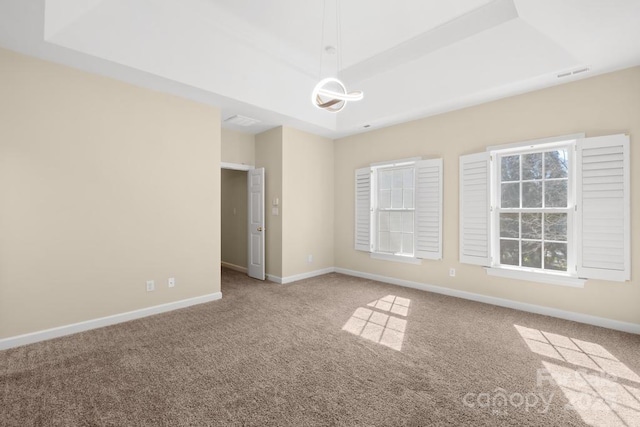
(573, 72)
(241, 120)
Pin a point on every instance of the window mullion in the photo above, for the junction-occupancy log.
(544, 181)
(520, 239)
(542, 234)
(520, 215)
(544, 205)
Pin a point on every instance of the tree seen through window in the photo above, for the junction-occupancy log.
(534, 209)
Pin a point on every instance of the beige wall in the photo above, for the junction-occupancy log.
(299, 172)
(602, 105)
(103, 186)
(307, 202)
(238, 147)
(234, 217)
(269, 156)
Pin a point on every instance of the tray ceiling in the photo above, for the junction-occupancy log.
(412, 58)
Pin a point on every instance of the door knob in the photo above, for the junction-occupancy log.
(259, 228)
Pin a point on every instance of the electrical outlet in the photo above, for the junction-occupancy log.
(310, 259)
(452, 272)
(171, 282)
(151, 286)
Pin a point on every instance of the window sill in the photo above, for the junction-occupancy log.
(532, 276)
(396, 258)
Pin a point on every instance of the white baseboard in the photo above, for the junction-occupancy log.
(272, 278)
(633, 328)
(308, 275)
(301, 276)
(47, 334)
(233, 267)
(61, 331)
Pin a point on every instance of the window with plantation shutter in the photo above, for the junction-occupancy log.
(555, 210)
(399, 210)
(603, 208)
(363, 210)
(475, 221)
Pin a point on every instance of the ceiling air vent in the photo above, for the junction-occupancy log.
(573, 73)
(241, 120)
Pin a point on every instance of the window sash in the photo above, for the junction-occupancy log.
(496, 195)
(377, 240)
(402, 232)
(542, 240)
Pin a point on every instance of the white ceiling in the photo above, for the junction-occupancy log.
(261, 59)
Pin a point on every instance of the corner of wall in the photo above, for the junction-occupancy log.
(268, 155)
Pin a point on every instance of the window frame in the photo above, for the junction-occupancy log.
(375, 253)
(375, 212)
(569, 209)
(568, 277)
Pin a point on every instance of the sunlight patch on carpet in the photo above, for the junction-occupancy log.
(599, 387)
(379, 323)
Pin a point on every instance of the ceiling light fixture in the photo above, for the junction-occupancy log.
(330, 93)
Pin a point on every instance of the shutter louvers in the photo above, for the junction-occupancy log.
(363, 210)
(475, 219)
(603, 210)
(428, 202)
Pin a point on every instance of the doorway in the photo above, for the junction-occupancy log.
(234, 221)
(242, 219)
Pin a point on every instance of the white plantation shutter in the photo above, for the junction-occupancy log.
(363, 210)
(603, 211)
(475, 219)
(428, 199)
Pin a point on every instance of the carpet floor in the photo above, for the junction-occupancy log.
(331, 350)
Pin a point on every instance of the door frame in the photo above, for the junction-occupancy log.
(236, 166)
(245, 168)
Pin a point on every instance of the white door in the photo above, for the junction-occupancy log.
(256, 223)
